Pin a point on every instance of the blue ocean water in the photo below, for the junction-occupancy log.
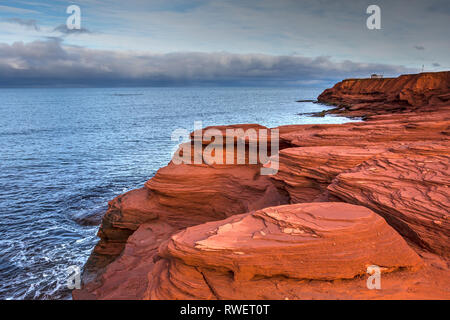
(66, 152)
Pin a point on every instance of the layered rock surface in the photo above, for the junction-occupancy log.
(306, 172)
(431, 126)
(410, 187)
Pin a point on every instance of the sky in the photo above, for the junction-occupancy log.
(211, 42)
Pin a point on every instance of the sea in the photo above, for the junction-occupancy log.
(65, 152)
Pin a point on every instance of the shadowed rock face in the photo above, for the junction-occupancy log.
(241, 244)
(318, 241)
(306, 172)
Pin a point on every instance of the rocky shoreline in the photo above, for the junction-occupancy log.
(345, 197)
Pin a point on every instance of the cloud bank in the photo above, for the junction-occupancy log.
(52, 63)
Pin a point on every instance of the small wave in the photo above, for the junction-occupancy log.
(89, 218)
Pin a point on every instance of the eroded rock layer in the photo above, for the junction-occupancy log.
(318, 241)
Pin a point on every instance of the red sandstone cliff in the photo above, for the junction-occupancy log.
(345, 197)
(412, 92)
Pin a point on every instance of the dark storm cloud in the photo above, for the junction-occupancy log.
(50, 62)
(419, 47)
(436, 64)
(30, 23)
